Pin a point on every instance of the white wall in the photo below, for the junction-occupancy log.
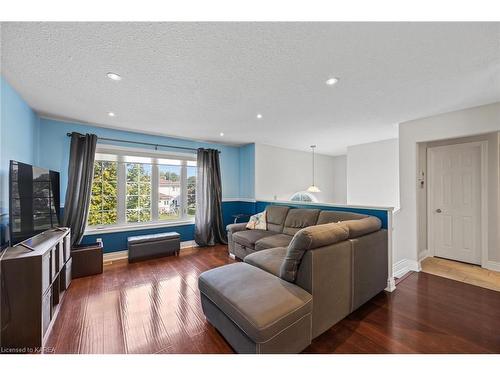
(340, 179)
(373, 174)
(280, 172)
(456, 124)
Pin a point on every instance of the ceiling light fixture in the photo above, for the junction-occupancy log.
(221, 134)
(111, 114)
(313, 188)
(332, 81)
(259, 116)
(114, 76)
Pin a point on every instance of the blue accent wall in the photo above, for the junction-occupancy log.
(18, 141)
(247, 171)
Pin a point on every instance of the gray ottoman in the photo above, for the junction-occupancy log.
(153, 246)
(255, 311)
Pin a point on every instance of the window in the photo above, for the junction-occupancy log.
(138, 192)
(169, 200)
(134, 187)
(303, 196)
(103, 203)
(191, 188)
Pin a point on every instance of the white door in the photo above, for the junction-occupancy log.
(455, 201)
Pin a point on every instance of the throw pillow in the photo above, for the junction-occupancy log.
(257, 221)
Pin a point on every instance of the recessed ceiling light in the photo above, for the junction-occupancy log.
(221, 134)
(111, 114)
(114, 76)
(332, 81)
(259, 116)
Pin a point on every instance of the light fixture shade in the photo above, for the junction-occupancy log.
(313, 189)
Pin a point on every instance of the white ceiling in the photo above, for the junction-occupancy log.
(195, 80)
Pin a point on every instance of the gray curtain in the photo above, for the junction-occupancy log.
(209, 227)
(80, 173)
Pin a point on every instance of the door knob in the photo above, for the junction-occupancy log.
(439, 211)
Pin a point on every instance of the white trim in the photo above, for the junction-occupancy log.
(251, 200)
(484, 199)
(423, 254)
(391, 283)
(404, 266)
(123, 254)
(484, 204)
(114, 256)
(129, 228)
(186, 244)
(492, 265)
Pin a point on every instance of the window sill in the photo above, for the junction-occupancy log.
(133, 227)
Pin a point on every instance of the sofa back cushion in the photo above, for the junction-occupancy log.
(326, 217)
(299, 218)
(358, 228)
(310, 238)
(275, 217)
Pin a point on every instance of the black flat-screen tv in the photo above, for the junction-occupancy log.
(34, 201)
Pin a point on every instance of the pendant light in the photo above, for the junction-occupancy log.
(313, 188)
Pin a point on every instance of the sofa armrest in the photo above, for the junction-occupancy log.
(238, 227)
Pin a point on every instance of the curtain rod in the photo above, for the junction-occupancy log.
(156, 145)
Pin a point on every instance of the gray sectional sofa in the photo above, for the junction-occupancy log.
(307, 271)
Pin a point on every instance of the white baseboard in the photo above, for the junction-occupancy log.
(492, 265)
(391, 285)
(123, 254)
(185, 244)
(114, 256)
(404, 266)
(423, 254)
(250, 200)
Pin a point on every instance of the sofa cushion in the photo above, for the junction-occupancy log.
(310, 238)
(326, 217)
(275, 217)
(299, 218)
(259, 303)
(248, 238)
(257, 221)
(268, 260)
(278, 240)
(358, 228)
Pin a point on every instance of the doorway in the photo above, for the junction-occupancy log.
(457, 196)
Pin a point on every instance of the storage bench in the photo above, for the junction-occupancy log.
(153, 246)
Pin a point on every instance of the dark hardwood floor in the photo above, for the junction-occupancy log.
(154, 307)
